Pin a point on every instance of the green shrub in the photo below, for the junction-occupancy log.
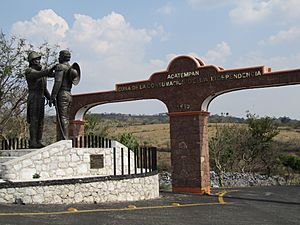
(129, 140)
(291, 161)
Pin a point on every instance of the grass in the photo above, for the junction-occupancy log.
(158, 135)
(154, 134)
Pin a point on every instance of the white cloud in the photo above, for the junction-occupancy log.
(167, 9)
(257, 58)
(159, 32)
(111, 50)
(283, 36)
(108, 49)
(253, 11)
(218, 55)
(110, 36)
(45, 26)
(246, 11)
(208, 3)
(250, 11)
(289, 8)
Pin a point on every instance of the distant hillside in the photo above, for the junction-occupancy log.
(163, 118)
(135, 119)
(158, 118)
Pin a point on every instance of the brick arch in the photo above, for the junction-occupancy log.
(265, 80)
(186, 87)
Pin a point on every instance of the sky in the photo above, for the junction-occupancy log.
(121, 41)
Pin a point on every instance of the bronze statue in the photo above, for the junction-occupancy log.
(37, 91)
(65, 76)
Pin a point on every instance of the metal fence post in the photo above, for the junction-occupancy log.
(135, 161)
(128, 155)
(141, 160)
(122, 161)
(115, 163)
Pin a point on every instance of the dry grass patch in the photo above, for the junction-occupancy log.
(158, 135)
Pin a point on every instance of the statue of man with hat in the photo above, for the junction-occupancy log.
(65, 76)
(37, 91)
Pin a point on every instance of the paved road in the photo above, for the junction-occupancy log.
(257, 205)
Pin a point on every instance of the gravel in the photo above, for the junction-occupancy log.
(232, 179)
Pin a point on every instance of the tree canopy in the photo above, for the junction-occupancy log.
(13, 87)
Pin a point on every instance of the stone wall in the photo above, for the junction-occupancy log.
(60, 160)
(232, 179)
(72, 175)
(82, 190)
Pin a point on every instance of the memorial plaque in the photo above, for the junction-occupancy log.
(97, 161)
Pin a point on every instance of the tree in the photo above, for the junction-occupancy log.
(284, 119)
(291, 164)
(243, 148)
(259, 154)
(96, 126)
(225, 148)
(13, 87)
(129, 140)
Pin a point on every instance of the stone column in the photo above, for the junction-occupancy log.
(190, 155)
(76, 128)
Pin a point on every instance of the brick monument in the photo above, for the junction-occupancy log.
(186, 88)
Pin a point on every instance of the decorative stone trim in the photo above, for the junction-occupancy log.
(12, 184)
(82, 190)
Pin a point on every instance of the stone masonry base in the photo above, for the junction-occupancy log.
(82, 190)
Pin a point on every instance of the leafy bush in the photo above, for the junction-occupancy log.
(291, 161)
(129, 140)
(242, 148)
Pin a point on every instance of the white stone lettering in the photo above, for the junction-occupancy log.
(189, 78)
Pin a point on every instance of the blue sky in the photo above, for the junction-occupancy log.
(119, 41)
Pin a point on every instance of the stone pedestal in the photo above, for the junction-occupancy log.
(190, 155)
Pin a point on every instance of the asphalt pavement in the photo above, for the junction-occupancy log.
(256, 205)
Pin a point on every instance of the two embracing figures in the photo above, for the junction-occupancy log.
(65, 75)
